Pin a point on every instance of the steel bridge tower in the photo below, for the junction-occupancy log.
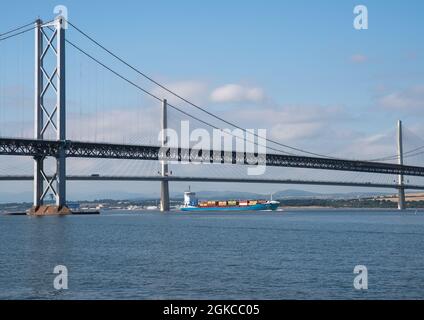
(50, 113)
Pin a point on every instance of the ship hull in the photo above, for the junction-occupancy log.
(256, 207)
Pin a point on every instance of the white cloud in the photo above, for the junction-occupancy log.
(117, 126)
(237, 93)
(293, 114)
(295, 131)
(368, 147)
(296, 125)
(190, 90)
(410, 98)
(358, 58)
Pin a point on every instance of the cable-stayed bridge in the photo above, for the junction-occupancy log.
(50, 139)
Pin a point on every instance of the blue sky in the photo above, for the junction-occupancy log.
(317, 76)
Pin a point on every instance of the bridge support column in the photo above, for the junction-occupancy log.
(38, 181)
(38, 116)
(50, 117)
(401, 199)
(401, 190)
(164, 185)
(164, 196)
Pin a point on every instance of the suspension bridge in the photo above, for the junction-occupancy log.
(50, 141)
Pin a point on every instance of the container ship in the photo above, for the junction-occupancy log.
(192, 204)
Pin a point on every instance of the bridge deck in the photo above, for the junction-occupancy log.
(227, 180)
(73, 149)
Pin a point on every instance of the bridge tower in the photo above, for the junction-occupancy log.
(164, 185)
(50, 113)
(401, 188)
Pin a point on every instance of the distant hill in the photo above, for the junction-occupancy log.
(352, 195)
(9, 197)
(294, 193)
(306, 194)
(285, 194)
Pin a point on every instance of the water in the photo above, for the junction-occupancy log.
(263, 255)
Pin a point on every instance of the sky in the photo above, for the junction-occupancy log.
(296, 68)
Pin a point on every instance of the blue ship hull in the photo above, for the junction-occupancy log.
(256, 207)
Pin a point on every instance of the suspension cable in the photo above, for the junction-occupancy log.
(406, 154)
(186, 100)
(159, 99)
(17, 29)
(17, 34)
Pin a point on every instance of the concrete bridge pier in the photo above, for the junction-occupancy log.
(164, 196)
(401, 189)
(164, 184)
(401, 199)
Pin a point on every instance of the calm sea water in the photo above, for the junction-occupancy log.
(263, 255)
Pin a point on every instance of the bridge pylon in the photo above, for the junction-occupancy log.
(164, 184)
(50, 117)
(401, 189)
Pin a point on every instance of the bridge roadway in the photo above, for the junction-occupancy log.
(74, 149)
(228, 180)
